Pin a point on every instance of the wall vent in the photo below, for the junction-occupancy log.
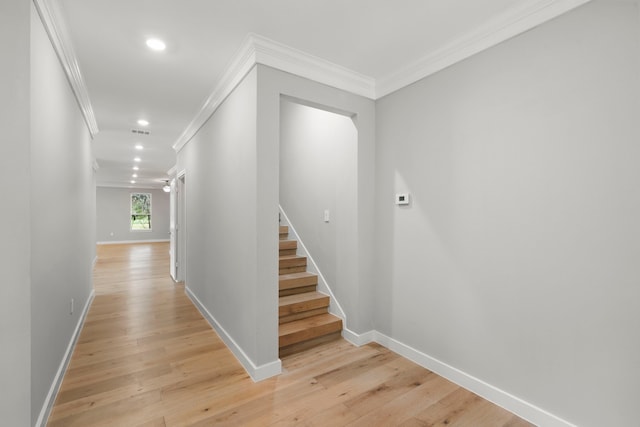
(140, 132)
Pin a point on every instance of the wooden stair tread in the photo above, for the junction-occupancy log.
(297, 280)
(297, 298)
(308, 328)
(298, 304)
(288, 244)
(303, 315)
(286, 257)
(292, 276)
(292, 263)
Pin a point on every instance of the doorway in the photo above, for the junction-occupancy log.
(178, 228)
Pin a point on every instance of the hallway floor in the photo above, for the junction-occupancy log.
(146, 357)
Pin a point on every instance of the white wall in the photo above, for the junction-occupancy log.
(15, 310)
(113, 207)
(62, 214)
(318, 171)
(518, 260)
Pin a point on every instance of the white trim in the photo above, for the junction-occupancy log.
(323, 286)
(171, 172)
(129, 186)
(358, 339)
(520, 407)
(509, 24)
(257, 373)
(238, 68)
(61, 41)
(256, 49)
(95, 165)
(57, 381)
(487, 391)
(277, 55)
(125, 242)
(95, 261)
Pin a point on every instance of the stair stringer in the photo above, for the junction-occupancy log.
(312, 267)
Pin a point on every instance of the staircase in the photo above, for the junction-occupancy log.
(303, 312)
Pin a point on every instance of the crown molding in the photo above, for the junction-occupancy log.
(259, 50)
(238, 68)
(59, 36)
(128, 186)
(505, 26)
(172, 172)
(282, 57)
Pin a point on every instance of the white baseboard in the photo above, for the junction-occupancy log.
(57, 381)
(358, 339)
(521, 408)
(257, 373)
(126, 242)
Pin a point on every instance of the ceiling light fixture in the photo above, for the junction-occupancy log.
(132, 181)
(135, 175)
(166, 188)
(156, 44)
(139, 147)
(135, 168)
(143, 122)
(137, 159)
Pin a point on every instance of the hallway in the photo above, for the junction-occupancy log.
(146, 357)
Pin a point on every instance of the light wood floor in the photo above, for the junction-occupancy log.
(147, 358)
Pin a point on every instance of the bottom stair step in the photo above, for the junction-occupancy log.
(308, 329)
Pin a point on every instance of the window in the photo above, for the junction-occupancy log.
(140, 211)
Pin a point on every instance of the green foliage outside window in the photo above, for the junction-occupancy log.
(140, 211)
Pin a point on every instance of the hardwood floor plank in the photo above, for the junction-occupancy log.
(147, 358)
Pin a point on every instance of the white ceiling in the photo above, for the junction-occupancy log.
(126, 81)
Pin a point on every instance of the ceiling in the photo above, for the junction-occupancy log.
(126, 81)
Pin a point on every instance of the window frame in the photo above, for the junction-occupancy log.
(132, 214)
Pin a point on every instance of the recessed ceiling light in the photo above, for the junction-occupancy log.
(156, 44)
(143, 122)
(135, 175)
(139, 147)
(137, 159)
(132, 181)
(135, 168)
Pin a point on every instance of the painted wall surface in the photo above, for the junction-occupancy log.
(517, 261)
(113, 215)
(15, 303)
(356, 297)
(62, 214)
(221, 224)
(318, 172)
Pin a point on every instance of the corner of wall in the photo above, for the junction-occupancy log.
(256, 372)
(57, 382)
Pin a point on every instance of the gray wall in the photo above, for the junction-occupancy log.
(518, 260)
(62, 214)
(113, 213)
(15, 304)
(318, 171)
(232, 176)
(221, 224)
(356, 297)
